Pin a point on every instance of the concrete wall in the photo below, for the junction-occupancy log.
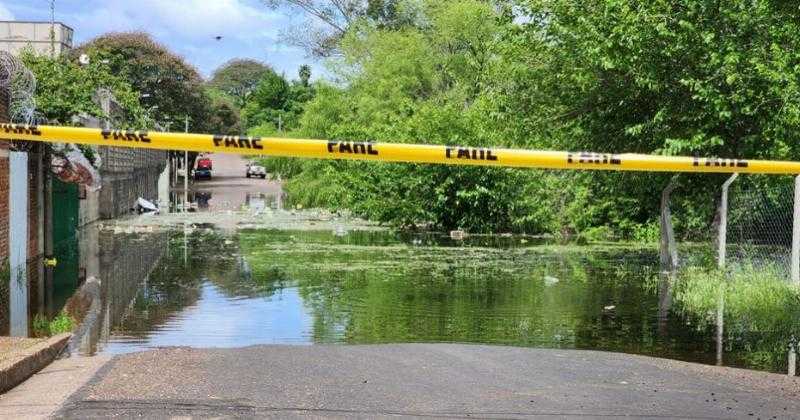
(127, 175)
(16, 36)
(35, 219)
(121, 263)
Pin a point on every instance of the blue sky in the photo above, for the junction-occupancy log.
(248, 27)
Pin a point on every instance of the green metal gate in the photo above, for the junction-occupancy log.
(65, 242)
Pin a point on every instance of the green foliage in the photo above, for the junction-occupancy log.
(224, 115)
(66, 89)
(758, 302)
(43, 327)
(716, 79)
(238, 78)
(166, 81)
(274, 101)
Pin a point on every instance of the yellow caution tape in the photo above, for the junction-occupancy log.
(391, 152)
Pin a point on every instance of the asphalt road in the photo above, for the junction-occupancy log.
(229, 188)
(422, 381)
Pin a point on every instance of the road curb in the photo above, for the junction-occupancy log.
(17, 369)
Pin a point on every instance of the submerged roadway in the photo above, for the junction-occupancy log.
(415, 381)
(392, 380)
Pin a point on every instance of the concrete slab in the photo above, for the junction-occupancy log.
(22, 357)
(46, 391)
(425, 380)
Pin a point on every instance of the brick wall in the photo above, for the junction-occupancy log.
(34, 257)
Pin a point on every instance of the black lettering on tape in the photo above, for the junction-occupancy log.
(237, 142)
(29, 130)
(469, 153)
(719, 162)
(352, 148)
(127, 135)
(594, 158)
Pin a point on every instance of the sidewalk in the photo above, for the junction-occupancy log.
(22, 357)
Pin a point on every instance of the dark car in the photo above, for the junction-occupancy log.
(202, 173)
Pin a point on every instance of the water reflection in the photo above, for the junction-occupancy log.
(199, 287)
(210, 200)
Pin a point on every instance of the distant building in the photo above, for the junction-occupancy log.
(16, 36)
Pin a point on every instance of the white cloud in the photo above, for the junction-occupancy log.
(189, 20)
(5, 14)
(248, 27)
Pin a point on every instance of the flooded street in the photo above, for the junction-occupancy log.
(243, 270)
(243, 307)
(207, 288)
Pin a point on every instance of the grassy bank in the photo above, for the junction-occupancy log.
(761, 309)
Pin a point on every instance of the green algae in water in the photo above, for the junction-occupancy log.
(546, 295)
(278, 286)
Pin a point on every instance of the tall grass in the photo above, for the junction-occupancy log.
(761, 309)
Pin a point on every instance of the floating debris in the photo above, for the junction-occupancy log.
(458, 235)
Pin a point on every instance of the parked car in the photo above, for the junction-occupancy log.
(204, 163)
(202, 173)
(255, 170)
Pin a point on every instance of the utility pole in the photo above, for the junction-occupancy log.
(186, 171)
(52, 28)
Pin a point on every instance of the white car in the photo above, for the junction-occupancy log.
(256, 170)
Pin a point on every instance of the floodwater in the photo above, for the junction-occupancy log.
(204, 288)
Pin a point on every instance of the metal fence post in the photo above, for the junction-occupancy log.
(796, 233)
(722, 234)
(669, 250)
(722, 243)
(792, 371)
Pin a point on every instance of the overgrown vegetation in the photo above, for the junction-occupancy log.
(663, 77)
(66, 89)
(44, 327)
(761, 309)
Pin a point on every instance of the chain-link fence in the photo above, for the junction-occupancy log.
(760, 222)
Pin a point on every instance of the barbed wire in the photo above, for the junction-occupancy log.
(20, 84)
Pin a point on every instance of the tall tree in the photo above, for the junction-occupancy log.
(329, 20)
(171, 88)
(238, 78)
